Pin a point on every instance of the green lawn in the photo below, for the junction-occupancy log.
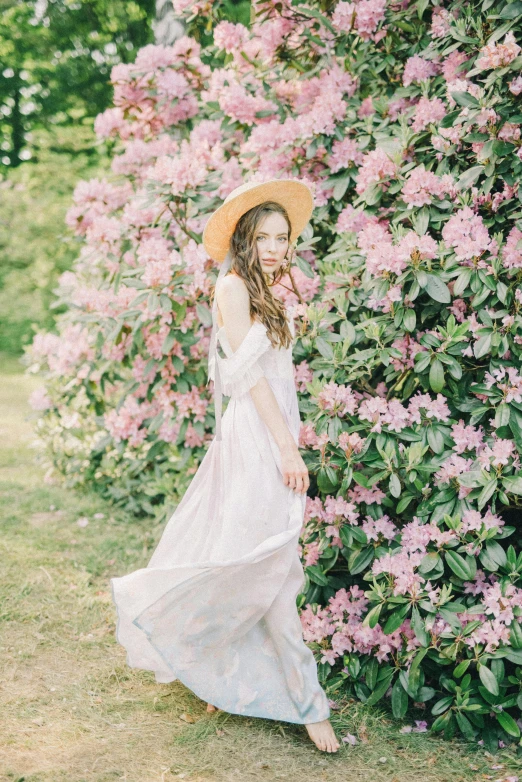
(74, 712)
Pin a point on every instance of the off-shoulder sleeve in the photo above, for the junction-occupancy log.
(240, 371)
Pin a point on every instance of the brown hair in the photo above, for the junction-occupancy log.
(245, 263)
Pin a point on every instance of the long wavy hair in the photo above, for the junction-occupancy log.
(264, 306)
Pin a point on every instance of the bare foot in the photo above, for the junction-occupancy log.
(211, 708)
(323, 736)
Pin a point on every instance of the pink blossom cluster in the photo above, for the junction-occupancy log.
(376, 168)
(344, 153)
(427, 112)
(351, 443)
(466, 438)
(507, 380)
(418, 69)
(342, 620)
(498, 55)
(230, 37)
(515, 86)
(362, 17)
(337, 399)
(303, 374)
(451, 66)
(512, 250)
(440, 22)
(422, 185)
(466, 233)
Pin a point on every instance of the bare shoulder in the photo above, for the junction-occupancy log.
(232, 292)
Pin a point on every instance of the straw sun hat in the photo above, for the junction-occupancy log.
(295, 196)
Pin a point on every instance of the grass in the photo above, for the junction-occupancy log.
(73, 711)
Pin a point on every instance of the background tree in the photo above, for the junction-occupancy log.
(56, 59)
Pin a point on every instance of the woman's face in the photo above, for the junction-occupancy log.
(272, 242)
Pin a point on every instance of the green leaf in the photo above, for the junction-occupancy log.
(464, 99)
(496, 553)
(204, 315)
(436, 376)
(312, 12)
(470, 176)
(305, 267)
(409, 320)
(399, 700)
(465, 726)
(511, 11)
(462, 282)
(502, 415)
(513, 484)
(442, 705)
(488, 679)
(316, 575)
(381, 688)
(340, 187)
(482, 346)
(459, 565)
(418, 627)
(437, 289)
(395, 619)
(395, 485)
(461, 668)
(361, 560)
(372, 617)
(486, 493)
(324, 348)
(508, 724)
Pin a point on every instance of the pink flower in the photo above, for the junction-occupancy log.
(303, 375)
(440, 22)
(344, 153)
(466, 437)
(512, 252)
(498, 55)
(337, 399)
(229, 36)
(467, 234)
(366, 109)
(353, 220)
(382, 527)
(363, 16)
(351, 443)
(451, 66)
(515, 86)
(418, 69)
(421, 185)
(427, 112)
(376, 168)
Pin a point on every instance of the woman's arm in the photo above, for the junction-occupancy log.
(234, 306)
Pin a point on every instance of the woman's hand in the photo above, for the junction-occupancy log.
(295, 471)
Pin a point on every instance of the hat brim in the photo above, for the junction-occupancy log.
(294, 196)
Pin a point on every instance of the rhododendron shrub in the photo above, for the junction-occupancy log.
(405, 121)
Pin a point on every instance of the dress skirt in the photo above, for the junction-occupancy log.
(216, 605)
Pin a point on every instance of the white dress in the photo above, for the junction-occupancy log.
(216, 605)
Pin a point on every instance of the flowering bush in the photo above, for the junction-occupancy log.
(406, 122)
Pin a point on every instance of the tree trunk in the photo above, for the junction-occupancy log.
(167, 28)
(17, 125)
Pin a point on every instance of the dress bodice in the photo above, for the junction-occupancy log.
(275, 362)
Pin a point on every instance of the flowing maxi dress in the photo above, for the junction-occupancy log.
(216, 605)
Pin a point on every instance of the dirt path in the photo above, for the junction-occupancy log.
(72, 711)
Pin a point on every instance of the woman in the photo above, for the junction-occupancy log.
(216, 605)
